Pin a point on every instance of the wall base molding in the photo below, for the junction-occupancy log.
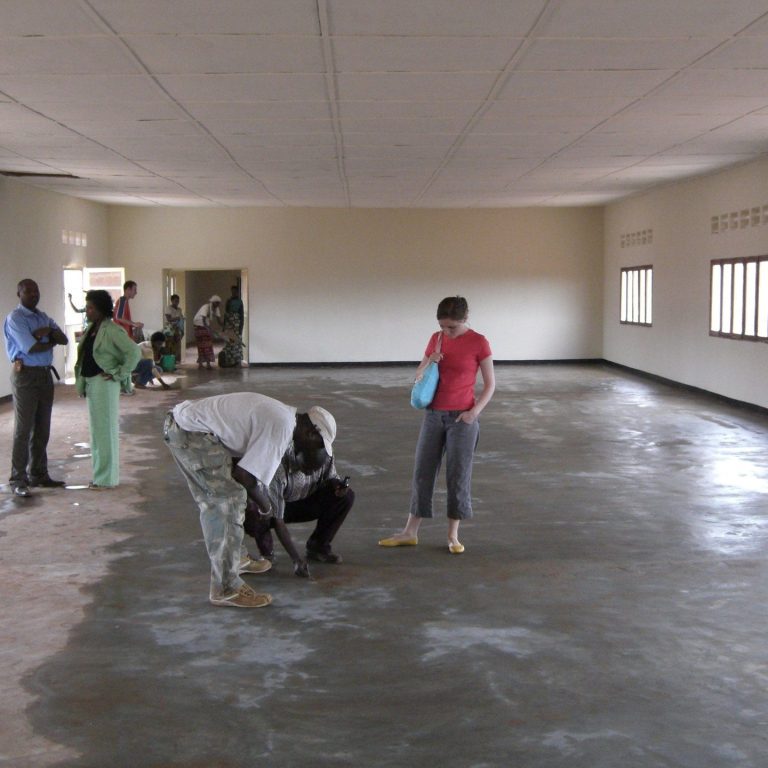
(687, 387)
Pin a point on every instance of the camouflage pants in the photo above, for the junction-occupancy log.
(207, 467)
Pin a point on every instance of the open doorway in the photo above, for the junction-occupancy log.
(77, 282)
(194, 287)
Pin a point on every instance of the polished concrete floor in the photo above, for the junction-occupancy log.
(609, 611)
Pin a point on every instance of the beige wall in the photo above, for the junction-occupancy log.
(362, 285)
(331, 285)
(31, 221)
(678, 346)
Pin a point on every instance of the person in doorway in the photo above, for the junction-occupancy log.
(79, 310)
(299, 496)
(122, 312)
(203, 322)
(236, 309)
(30, 336)
(106, 357)
(174, 321)
(204, 436)
(450, 427)
(231, 355)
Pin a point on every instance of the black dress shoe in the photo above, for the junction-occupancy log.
(22, 490)
(47, 482)
(323, 557)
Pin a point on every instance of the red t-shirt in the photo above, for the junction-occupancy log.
(458, 370)
(121, 314)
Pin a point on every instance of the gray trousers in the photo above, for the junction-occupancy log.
(207, 467)
(32, 390)
(441, 435)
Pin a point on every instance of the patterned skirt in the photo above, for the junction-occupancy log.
(204, 341)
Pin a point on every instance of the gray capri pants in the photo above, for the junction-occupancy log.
(442, 435)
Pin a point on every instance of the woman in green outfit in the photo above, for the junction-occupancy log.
(105, 358)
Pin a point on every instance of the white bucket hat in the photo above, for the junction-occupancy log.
(325, 424)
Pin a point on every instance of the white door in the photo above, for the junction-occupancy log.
(77, 282)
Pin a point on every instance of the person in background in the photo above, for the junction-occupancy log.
(105, 359)
(205, 437)
(30, 336)
(149, 368)
(450, 427)
(79, 310)
(231, 354)
(174, 320)
(122, 312)
(203, 336)
(235, 308)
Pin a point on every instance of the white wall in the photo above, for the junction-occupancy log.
(334, 285)
(678, 346)
(31, 221)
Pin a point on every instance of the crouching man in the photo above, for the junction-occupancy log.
(298, 495)
(204, 436)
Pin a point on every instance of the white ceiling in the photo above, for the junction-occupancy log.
(379, 103)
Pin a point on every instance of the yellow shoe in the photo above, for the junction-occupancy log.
(395, 541)
(455, 549)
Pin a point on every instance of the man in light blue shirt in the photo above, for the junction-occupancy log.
(30, 336)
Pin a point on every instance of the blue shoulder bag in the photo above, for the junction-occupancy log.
(424, 388)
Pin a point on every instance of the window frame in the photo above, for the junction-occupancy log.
(741, 303)
(645, 302)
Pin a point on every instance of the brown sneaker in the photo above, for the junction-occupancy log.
(249, 565)
(244, 597)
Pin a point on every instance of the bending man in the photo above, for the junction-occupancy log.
(204, 437)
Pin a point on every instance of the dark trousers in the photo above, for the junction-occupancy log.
(143, 371)
(324, 505)
(32, 389)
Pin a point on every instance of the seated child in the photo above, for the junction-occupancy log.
(148, 368)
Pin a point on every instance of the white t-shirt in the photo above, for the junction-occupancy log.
(205, 313)
(254, 428)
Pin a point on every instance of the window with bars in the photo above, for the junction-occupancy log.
(637, 295)
(739, 298)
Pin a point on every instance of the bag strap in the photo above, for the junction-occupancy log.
(439, 345)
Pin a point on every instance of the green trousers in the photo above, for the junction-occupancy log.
(103, 398)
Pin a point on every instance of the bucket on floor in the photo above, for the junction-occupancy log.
(168, 362)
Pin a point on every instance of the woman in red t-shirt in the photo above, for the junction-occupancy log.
(450, 427)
